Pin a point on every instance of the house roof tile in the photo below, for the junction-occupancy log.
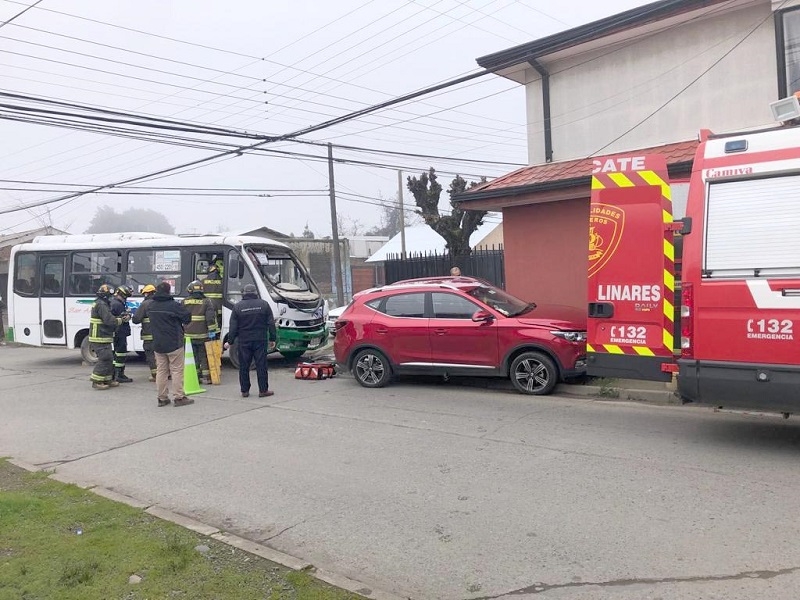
(680, 152)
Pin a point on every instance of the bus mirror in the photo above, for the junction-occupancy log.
(235, 268)
(202, 267)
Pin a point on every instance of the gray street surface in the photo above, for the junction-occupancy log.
(439, 491)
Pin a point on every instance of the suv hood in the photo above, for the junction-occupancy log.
(557, 316)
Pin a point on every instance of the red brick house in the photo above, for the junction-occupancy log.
(546, 219)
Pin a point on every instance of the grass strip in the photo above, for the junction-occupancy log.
(62, 542)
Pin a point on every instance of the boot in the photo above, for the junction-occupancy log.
(98, 385)
(120, 375)
(113, 383)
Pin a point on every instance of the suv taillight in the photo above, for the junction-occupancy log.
(339, 324)
(687, 320)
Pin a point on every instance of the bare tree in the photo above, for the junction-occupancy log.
(459, 225)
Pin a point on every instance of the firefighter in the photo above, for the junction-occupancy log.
(212, 287)
(119, 307)
(140, 316)
(102, 326)
(202, 328)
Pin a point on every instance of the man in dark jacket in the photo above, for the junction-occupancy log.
(167, 319)
(119, 308)
(252, 326)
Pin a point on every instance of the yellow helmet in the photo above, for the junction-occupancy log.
(148, 289)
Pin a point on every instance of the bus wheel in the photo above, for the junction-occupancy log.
(86, 352)
(233, 355)
(292, 354)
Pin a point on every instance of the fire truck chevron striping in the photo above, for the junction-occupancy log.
(646, 330)
(740, 278)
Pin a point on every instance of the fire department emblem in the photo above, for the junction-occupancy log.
(606, 223)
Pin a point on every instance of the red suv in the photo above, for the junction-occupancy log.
(459, 326)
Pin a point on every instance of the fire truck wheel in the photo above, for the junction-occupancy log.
(534, 373)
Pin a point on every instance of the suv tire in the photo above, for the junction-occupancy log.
(534, 373)
(371, 368)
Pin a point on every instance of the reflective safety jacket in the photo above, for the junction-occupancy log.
(212, 288)
(141, 316)
(204, 316)
(102, 324)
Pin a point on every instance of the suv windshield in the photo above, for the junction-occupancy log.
(280, 269)
(501, 301)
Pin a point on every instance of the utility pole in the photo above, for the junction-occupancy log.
(402, 214)
(337, 259)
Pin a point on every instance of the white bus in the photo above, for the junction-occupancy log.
(53, 281)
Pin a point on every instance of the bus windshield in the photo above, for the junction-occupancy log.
(280, 268)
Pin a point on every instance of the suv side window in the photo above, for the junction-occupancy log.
(452, 306)
(405, 305)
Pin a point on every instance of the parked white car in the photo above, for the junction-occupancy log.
(334, 314)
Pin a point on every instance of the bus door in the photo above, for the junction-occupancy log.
(51, 299)
(631, 270)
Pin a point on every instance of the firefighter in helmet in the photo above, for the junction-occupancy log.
(119, 308)
(202, 328)
(102, 327)
(140, 316)
(212, 286)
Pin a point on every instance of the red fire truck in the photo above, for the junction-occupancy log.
(726, 328)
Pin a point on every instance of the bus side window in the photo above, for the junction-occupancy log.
(89, 270)
(53, 278)
(25, 275)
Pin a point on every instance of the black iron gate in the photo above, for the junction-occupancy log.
(485, 264)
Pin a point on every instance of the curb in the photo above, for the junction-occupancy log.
(596, 392)
(286, 560)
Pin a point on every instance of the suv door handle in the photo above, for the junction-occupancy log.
(440, 331)
(381, 330)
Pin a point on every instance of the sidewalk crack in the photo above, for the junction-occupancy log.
(539, 588)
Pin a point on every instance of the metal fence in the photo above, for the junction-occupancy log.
(486, 264)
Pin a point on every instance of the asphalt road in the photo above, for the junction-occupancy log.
(439, 491)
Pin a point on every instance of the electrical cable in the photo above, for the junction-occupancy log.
(20, 13)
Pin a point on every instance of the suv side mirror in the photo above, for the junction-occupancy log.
(482, 316)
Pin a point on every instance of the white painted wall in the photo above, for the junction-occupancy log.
(597, 96)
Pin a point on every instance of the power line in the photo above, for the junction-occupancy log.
(194, 127)
(256, 58)
(166, 187)
(47, 117)
(19, 14)
(411, 154)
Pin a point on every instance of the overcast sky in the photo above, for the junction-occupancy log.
(267, 67)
